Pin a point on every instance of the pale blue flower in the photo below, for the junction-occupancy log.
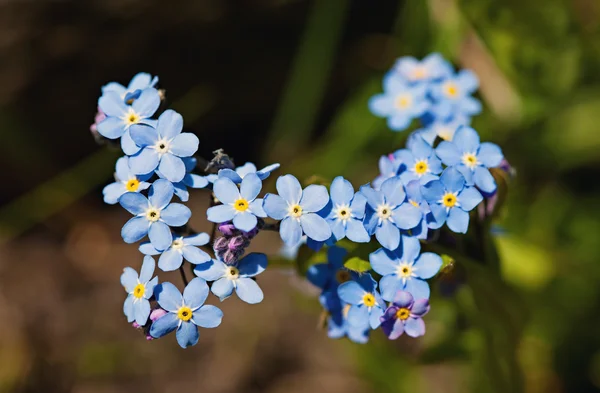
(126, 182)
(140, 289)
(347, 212)
(182, 247)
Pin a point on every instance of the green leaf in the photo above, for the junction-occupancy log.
(357, 265)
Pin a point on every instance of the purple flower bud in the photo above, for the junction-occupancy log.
(230, 257)
(251, 234)
(237, 242)
(221, 244)
(157, 313)
(136, 325)
(100, 116)
(227, 229)
(149, 337)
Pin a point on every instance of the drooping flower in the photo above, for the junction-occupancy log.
(126, 181)
(328, 276)
(238, 277)
(404, 315)
(441, 128)
(138, 83)
(238, 205)
(404, 269)
(450, 200)
(337, 320)
(453, 95)
(347, 212)
(153, 215)
(185, 313)
(432, 67)
(421, 162)
(241, 171)
(182, 247)
(163, 147)
(389, 211)
(389, 167)
(298, 210)
(121, 116)
(366, 305)
(140, 289)
(472, 158)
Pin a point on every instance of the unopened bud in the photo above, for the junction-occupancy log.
(221, 244)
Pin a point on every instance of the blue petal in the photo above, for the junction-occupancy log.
(199, 239)
(211, 271)
(250, 187)
(374, 317)
(245, 221)
(358, 205)
(290, 231)
(128, 308)
(468, 80)
(181, 191)
(160, 193)
(389, 286)
(114, 86)
(184, 145)
(135, 203)
(337, 228)
(170, 260)
(122, 172)
(469, 198)
(220, 213)
(490, 155)
(164, 325)
(427, 265)
(128, 146)
(160, 235)
(112, 104)
(141, 311)
(207, 316)
(448, 153)
(168, 296)
(231, 175)
(351, 292)
(433, 191)
(266, 171)
(147, 103)
(195, 181)
(314, 198)
(319, 274)
(194, 255)
(407, 216)
(129, 279)
(289, 189)
(403, 299)
(252, 264)
(452, 179)
(195, 293)
(248, 290)
(135, 229)
(458, 220)
(399, 121)
(484, 180)
(356, 232)
(381, 105)
(315, 226)
(275, 206)
(388, 235)
(420, 307)
(176, 214)
(141, 80)
(145, 161)
(420, 148)
(393, 190)
(172, 167)
(170, 124)
(411, 247)
(147, 269)
(383, 262)
(374, 198)
(143, 135)
(226, 191)
(187, 335)
(150, 285)
(414, 327)
(222, 288)
(418, 288)
(111, 127)
(113, 192)
(256, 208)
(358, 316)
(466, 139)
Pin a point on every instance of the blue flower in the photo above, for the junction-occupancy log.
(432, 67)
(453, 95)
(471, 158)
(242, 206)
(139, 83)
(421, 162)
(298, 209)
(163, 147)
(185, 313)
(337, 321)
(415, 198)
(328, 276)
(389, 211)
(404, 315)
(450, 200)
(153, 217)
(189, 180)
(182, 247)
(366, 306)
(241, 171)
(120, 116)
(389, 167)
(238, 277)
(347, 212)
(140, 289)
(404, 269)
(442, 128)
(400, 102)
(126, 182)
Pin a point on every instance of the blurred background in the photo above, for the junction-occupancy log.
(288, 81)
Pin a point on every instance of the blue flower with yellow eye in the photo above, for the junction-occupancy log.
(238, 277)
(472, 158)
(389, 211)
(404, 315)
(432, 67)
(126, 182)
(400, 103)
(404, 269)
(415, 198)
(421, 162)
(441, 128)
(452, 95)
(241, 171)
(138, 83)
(153, 215)
(297, 209)
(140, 289)
(450, 199)
(238, 205)
(121, 116)
(164, 147)
(337, 320)
(185, 313)
(190, 179)
(347, 212)
(389, 167)
(366, 305)
(182, 247)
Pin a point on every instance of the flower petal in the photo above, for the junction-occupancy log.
(427, 265)
(113, 192)
(358, 316)
(403, 299)
(418, 288)
(187, 334)
(135, 203)
(147, 103)
(393, 190)
(374, 317)
(458, 220)
(199, 239)
(160, 194)
(194, 255)
(143, 135)
(393, 328)
(222, 288)
(176, 214)
(484, 180)
(407, 216)
(211, 271)
(168, 296)
(374, 197)
(172, 167)
(490, 155)
(389, 286)
(414, 327)
(469, 198)
(351, 292)
(256, 207)
(448, 153)
(160, 235)
(452, 179)
(384, 262)
(184, 145)
(466, 139)
(145, 161)
(141, 311)
(341, 191)
(135, 229)
(315, 226)
(164, 325)
(250, 187)
(128, 308)
(195, 293)
(388, 235)
(207, 316)
(289, 189)
(420, 307)
(275, 206)
(220, 213)
(226, 191)
(290, 231)
(248, 290)
(129, 279)
(170, 260)
(170, 124)
(147, 269)
(356, 232)
(245, 221)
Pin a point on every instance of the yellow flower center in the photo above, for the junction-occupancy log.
(403, 313)
(469, 159)
(184, 313)
(414, 203)
(177, 244)
(449, 199)
(132, 185)
(384, 211)
(131, 118)
(446, 133)
(368, 300)
(403, 101)
(233, 273)
(421, 167)
(139, 291)
(342, 276)
(343, 212)
(241, 205)
(295, 211)
(153, 214)
(451, 90)
(405, 270)
(419, 73)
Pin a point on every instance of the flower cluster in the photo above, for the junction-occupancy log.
(422, 189)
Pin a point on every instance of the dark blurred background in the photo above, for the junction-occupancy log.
(288, 81)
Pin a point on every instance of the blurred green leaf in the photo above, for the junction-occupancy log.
(357, 265)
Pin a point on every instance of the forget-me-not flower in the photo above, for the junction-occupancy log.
(337, 321)
(153, 215)
(240, 205)
(450, 200)
(453, 95)
(347, 212)
(404, 315)
(185, 313)
(126, 182)
(328, 276)
(389, 167)
(163, 147)
(366, 305)
(442, 128)
(472, 158)
(140, 289)
(182, 247)
(241, 171)
(421, 162)
(298, 210)
(432, 67)
(404, 269)
(138, 83)
(238, 277)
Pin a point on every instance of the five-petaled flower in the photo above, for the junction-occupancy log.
(347, 212)
(432, 67)
(404, 315)
(138, 83)
(453, 95)
(241, 171)
(126, 181)
(140, 289)
(421, 162)
(181, 247)
(366, 305)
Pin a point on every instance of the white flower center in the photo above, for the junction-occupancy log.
(162, 146)
(384, 211)
(343, 212)
(232, 273)
(153, 214)
(470, 160)
(177, 244)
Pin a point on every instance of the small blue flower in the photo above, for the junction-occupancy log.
(347, 212)
(182, 247)
(238, 277)
(242, 206)
(328, 276)
(404, 315)
(404, 269)
(366, 306)
(163, 147)
(450, 200)
(154, 216)
(415, 198)
(400, 102)
(389, 167)
(139, 83)
(140, 289)
(421, 162)
(337, 321)
(189, 180)
(442, 128)
(453, 95)
(121, 116)
(298, 210)
(389, 211)
(185, 313)
(241, 171)
(126, 182)
(432, 67)
(472, 158)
